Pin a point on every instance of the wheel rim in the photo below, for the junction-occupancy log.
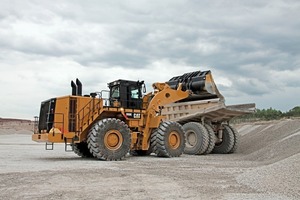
(191, 138)
(113, 139)
(174, 140)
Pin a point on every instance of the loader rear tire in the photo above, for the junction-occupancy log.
(197, 138)
(236, 139)
(211, 143)
(109, 139)
(168, 140)
(82, 150)
(227, 142)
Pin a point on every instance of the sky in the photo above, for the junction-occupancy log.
(251, 47)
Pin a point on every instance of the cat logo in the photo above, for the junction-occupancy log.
(134, 115)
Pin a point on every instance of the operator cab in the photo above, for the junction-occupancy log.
(126, 94)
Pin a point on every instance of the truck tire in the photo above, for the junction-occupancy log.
(168, 140)
(211, 134)
(236, 136)
(109, 139)
(82, 150)
(227, 142)
(197, 138)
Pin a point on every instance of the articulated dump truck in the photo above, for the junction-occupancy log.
(204, 115)
(187, 114)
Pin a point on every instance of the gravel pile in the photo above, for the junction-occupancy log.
(282, 177)
(271, 141)
(266, 166)
(275, 146)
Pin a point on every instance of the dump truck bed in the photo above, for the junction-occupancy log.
(212, 109)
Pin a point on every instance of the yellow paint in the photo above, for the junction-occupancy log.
(90, 110)
(40, 137)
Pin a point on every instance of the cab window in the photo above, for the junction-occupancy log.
(115, 92)
(134, 93)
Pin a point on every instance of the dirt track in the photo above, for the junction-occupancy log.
(266, 166)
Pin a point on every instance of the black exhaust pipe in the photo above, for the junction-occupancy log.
(79, 87)
(74, 88)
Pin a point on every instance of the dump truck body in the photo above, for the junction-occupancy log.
(212, 110)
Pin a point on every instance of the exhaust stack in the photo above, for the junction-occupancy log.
(74, 88)
(79, 87)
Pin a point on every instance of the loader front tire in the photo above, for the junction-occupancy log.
(197, 138)
(168, 140)
(82, 150)
(227, 142)
(109, 139)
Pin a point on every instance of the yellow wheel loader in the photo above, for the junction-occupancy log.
(107, 128)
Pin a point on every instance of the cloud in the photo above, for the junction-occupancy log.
(252, 48)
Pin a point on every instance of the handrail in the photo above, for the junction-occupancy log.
(36, 125)
(82, 115)
(100, 97)
(87, 111)
(80, 120)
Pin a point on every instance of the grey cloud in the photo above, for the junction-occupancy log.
(244, 41)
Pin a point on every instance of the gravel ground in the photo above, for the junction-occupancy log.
(266, 166)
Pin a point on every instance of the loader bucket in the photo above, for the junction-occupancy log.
(200, 83)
